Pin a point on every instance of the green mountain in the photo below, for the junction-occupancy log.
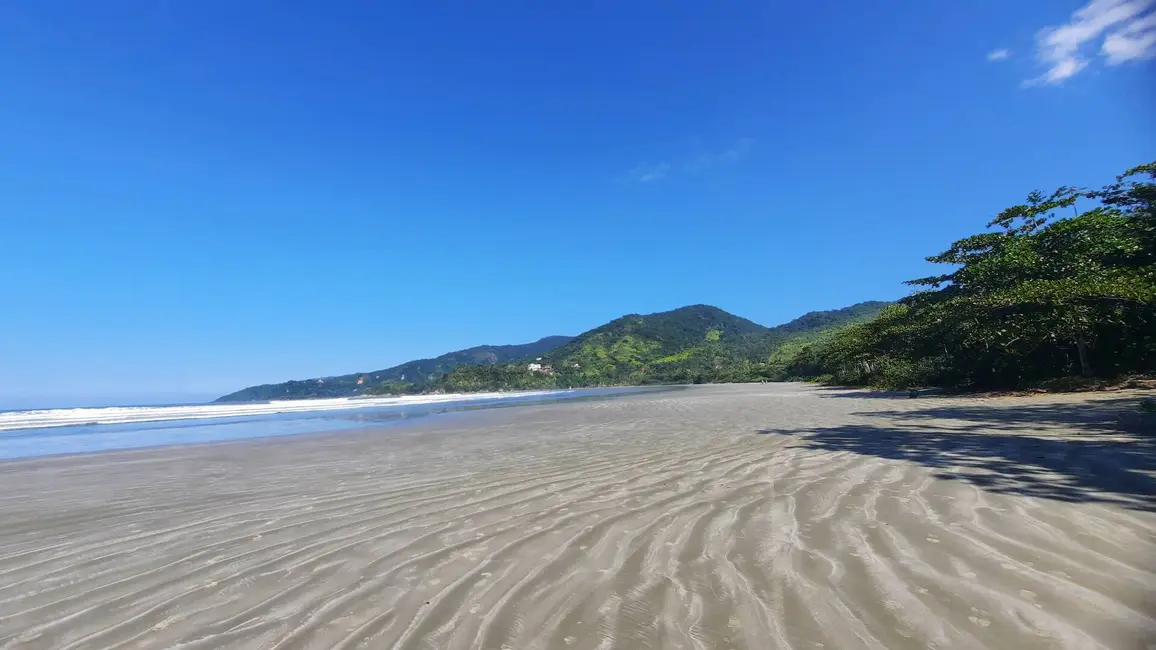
(697, 344)
(642, 348)
(814, 322)
(412, 376)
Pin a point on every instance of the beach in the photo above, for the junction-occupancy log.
(744, 516)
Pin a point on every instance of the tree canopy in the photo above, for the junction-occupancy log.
(1038, 296)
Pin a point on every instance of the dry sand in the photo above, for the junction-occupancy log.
(776, 516)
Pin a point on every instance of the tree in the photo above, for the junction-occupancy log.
(1038, 297)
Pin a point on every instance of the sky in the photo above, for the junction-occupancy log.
(200, 196)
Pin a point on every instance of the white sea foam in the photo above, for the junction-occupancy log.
(14, 420)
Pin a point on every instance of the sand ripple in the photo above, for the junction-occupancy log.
(722, 517)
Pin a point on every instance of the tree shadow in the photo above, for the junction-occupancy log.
(1069, 452)
(872, 393)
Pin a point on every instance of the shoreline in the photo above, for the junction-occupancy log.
(21, 420)
(424, 419)
(106, 437)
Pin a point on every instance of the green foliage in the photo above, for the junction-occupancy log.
(497, 377)
(394, 388)
(411, 377)
(696, 344)
(1040, 297)
(676, 357)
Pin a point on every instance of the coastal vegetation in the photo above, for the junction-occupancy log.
(410, 377)
(1040, 298)
(695, 344)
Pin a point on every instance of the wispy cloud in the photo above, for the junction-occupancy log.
(1131, 35)
(649, 172)
(710, 159)
(998, 55)
(1136, 40)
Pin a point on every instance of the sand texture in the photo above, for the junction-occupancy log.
(778, 516)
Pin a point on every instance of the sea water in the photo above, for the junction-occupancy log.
(76, 430)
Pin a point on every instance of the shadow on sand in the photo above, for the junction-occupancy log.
(1105, 452)
(873, 393)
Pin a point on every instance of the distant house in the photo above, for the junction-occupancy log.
(537, 367)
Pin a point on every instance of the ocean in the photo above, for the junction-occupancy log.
(44, 432)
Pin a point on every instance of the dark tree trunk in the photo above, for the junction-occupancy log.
(1082, 348)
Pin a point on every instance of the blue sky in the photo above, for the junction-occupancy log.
(198, 196)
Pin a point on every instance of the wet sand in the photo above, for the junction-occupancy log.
(778, 516)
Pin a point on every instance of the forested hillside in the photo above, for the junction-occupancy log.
(695, 344)
(409, 377)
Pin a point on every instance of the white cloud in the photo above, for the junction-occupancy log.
(1136, 40)
(998, 55)
(1132, 36)
(648, 173)
(1060, 70)
(704, 161)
